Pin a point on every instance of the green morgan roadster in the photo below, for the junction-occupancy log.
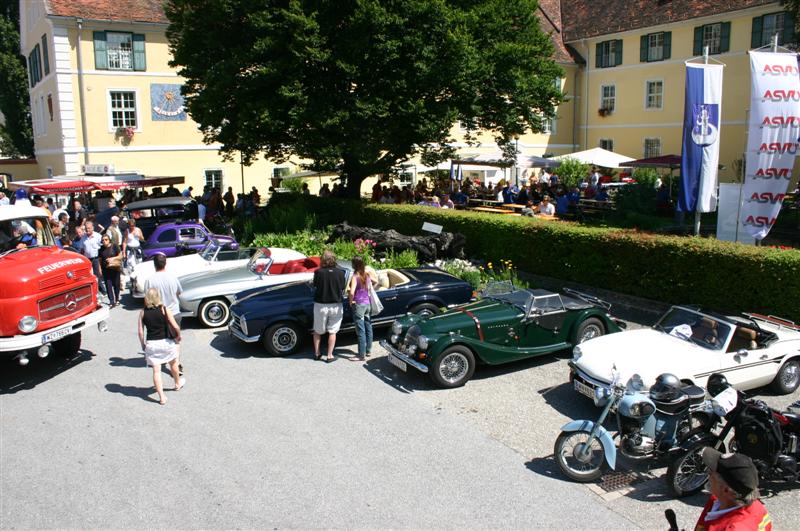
(506, 324)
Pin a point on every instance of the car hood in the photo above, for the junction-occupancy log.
(217, 278)
(646, 352)
(258, 300)
(462, 318)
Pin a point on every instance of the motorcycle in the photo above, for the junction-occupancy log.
(651, 425)
(768, 436)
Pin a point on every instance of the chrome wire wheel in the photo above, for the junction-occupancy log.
(284, 339)
(790, 376)
(579, 458)
(688, 474)
(590, 332)
(453, 367)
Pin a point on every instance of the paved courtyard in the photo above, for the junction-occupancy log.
(257, 442)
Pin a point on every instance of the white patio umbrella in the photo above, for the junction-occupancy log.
(597, 157)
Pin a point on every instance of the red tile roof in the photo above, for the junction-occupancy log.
(150, 11)
(590, 18)
(549, 14)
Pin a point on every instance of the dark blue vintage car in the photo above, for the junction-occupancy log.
(282, 316)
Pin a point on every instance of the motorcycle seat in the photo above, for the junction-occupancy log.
(697, 394)
(793, 418)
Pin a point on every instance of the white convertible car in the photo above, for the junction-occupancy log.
(214, 257)
(750, 350)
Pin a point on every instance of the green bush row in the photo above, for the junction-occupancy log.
(714, 274)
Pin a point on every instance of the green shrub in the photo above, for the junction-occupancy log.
(715, 274)
(572, 172)
(462, 269)
(294, 185)
(646, 176)
(403, 259)
(310, 243)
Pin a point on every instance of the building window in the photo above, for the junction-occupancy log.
(35, 66)
(607, 143)
(652, 147)
(608, 53)
(655, 46)
(655, 95)
(767, 26)
(123, 109)
(45, 55)
(608, 97)
(213, 179)
(119, 51)
(716, 36)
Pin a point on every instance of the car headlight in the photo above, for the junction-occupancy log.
(28, 324)
(576, 353)
(422, 342)
(397, 327)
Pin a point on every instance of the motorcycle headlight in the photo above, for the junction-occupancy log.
(422, 342)
(576, 353)
(642, 409)
(394, 339)
(28, 324)
(397, 327)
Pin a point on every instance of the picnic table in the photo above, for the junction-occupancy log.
(594, 207)
(484, 202)
(513, 206)
(493, 210)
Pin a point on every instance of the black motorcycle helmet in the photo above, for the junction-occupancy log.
(716, 384)
(666, 388)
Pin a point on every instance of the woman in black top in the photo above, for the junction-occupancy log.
(159, 336)
(111, 275)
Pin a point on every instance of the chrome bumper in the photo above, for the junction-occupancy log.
(402, 357)
(37, 339)
(238, 334)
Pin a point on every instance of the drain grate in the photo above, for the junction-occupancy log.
(618, 480)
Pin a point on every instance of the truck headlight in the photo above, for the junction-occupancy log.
(576, 353)
(397, 327)
(422, 342)
(28, 324)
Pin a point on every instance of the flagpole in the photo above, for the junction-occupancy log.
(696, 211)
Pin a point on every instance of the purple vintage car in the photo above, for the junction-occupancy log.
(173, 239)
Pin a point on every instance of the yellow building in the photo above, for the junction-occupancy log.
(632, 83)
(102, 91)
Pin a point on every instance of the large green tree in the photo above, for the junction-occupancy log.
(16, 138)
(361, 85)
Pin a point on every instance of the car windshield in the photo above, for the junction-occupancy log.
(209, 251)
(694, 327)
(547, 304)
(22, 233)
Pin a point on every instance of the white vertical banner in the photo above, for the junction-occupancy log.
(772, 140)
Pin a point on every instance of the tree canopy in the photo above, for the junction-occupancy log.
(16, 137)
(361, 85)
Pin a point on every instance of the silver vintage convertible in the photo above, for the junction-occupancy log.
(208, 296)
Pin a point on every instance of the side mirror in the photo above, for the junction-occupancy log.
(742, 352)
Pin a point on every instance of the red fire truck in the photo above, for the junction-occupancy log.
(48, 296)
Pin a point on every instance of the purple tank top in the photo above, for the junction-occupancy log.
(362, 292)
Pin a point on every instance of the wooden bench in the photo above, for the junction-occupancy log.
(592, 207)
(492, 210)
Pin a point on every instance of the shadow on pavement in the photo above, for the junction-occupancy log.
(564, 399)
(489, 371)
(546, 466)
(406, 382)
(137, 362)
(16, 378)
(133, 391)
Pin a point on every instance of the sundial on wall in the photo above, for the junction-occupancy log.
(166, 102)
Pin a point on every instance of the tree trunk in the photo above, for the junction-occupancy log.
(353, 188)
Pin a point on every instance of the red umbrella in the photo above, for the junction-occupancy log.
(54, 186)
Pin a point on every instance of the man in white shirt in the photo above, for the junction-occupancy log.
(595, 178)
(90, 244)
(546, 208)
(168, 286)
(114, 231)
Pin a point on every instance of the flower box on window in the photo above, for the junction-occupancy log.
(604, 111)
(126, 133)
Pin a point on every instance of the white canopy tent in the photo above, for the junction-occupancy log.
(597, 157)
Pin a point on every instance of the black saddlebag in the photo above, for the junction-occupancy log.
(672, 407)
(758, 434)
(697, 395)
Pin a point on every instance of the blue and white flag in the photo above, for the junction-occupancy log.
(701, 128)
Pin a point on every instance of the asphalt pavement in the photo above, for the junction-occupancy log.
(255, 442)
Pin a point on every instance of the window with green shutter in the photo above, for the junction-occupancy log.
(608, 53)
(716, 36)
(119, 51)
(45, 55)
(769, 25)
(655, 46)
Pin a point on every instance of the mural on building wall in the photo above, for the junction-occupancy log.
(166, 102)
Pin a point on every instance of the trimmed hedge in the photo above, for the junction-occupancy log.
(714, 274)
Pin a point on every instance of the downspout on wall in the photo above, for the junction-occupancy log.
(84, 132)
(586, 97)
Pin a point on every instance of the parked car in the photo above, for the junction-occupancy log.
(208, 296)
(751, 350)
(150, 213)
(215, 256)
(507, 324)
(180, 238)
(281, 317)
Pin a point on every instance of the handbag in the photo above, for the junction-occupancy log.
(115, 262)
(375, 304)
(167, 326)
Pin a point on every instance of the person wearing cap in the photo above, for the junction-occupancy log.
(734, 503)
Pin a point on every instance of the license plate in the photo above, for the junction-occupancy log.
(583, 389)
(55, 336)
(400, 364)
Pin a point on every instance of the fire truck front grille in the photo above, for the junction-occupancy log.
(58, 280)
(66, 303)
